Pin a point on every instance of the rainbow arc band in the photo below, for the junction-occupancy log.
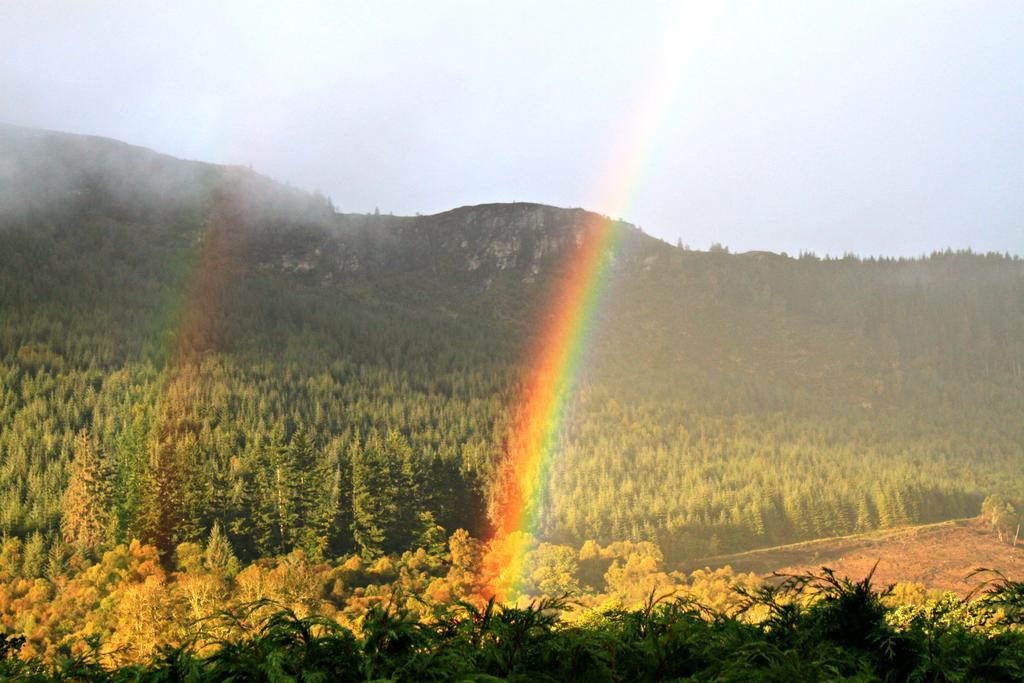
(533, 442)
(568, 323)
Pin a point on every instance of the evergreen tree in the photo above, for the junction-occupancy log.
(56, 558)
(130, 459)
(34, 559)
(274, 514)
(86, 507)
(432, 536)
(195, 491)
(281, 489)
(10, 557)
(339, 503)
(865, 519)
(410, 482)
(163, 510)
(259, 519)
(310, 491)
(218, 555)
(373, 503)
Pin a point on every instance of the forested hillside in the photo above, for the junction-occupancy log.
(185, 345)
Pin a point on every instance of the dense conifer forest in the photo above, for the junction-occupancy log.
(196, 362)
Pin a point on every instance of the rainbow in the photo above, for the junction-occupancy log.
(204, 275)
(567, 325)
(533, 440)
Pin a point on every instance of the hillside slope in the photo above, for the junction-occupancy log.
(210, 329)
(940, 556)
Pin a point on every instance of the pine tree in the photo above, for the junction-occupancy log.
(280, 492)
(10, 557)
(259, 518)
(272, 498)
(163, 508)
(195, 491)
(373, 506)
(86, 507)
(310, 490)
(128, 477)
(218, 555)
(865, 519)
(755, 520)
(432, 536)
(339, 506)
(410, 481)
(56, 558)
(33, 562)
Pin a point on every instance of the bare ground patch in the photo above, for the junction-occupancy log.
(939, 556)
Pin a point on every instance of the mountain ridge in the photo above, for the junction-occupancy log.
(46, 169)
(20, 144)
(723, 402)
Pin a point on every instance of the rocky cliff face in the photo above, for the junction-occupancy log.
(471, 245)
(499, 237)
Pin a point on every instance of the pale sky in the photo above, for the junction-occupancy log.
(873, 127)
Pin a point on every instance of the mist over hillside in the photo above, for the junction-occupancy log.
(199, 325)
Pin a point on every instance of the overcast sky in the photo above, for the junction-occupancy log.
(872, 127)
